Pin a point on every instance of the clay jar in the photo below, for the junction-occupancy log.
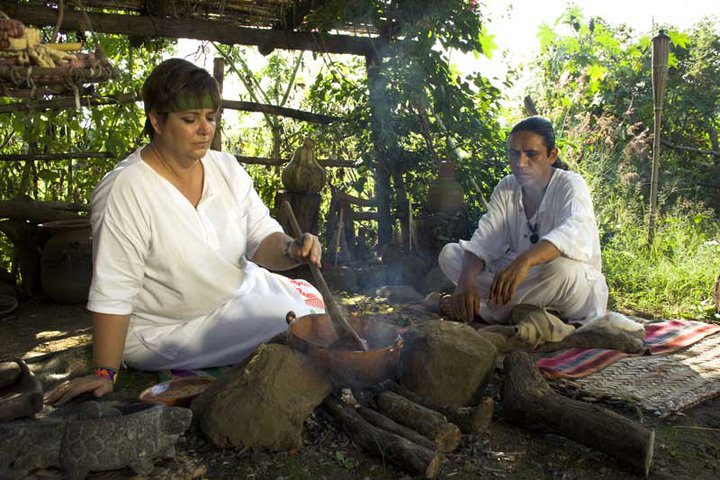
(304, 174)
(446, 194)
(66, 263)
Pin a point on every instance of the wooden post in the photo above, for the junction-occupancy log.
(219, 75)
(379, 113)
(661, 44)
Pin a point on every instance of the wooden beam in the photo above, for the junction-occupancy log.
(51, 157)
(67, 102)
(282, 111)
(223, 32)
(293, 18)
(273, 162)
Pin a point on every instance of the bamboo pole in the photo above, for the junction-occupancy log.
(661, 44)
(219, 75)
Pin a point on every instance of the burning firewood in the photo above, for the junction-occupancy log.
(407, 455)
(429, 423)
(471, 420)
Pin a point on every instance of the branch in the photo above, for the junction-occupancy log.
(690, 149)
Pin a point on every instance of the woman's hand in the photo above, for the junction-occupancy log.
(69, 389)
(306, 249)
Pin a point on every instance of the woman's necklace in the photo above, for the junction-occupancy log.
(165, 164)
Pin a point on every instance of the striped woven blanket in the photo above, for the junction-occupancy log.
(660, 338)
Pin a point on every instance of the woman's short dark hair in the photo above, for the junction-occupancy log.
(544, 128)
(170, 81)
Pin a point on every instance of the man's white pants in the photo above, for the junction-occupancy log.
(573, 289)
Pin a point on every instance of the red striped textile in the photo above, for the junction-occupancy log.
(660, 338)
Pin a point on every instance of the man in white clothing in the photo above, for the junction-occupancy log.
(537, 244)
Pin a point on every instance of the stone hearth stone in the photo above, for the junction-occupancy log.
(94, 437)
(448, 362)
(21, 398)
(262, 403)
(399, 294)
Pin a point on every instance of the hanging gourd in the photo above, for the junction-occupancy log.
(304, 174)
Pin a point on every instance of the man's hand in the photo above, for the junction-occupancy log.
(466, 301)
(69, 389)
(506, 282)
(306, 249)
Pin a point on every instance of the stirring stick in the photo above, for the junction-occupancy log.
(338, 319)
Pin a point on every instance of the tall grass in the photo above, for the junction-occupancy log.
(673, 277)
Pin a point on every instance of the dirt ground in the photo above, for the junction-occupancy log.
(686, 446)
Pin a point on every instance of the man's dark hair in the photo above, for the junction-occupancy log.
(172, 80)
(544, 128)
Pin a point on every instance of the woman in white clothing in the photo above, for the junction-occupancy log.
(538, 244)
(180, 239)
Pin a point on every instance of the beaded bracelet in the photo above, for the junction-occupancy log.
(106, 372)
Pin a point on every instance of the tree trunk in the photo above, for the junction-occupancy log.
(380, 132)
(529, 402)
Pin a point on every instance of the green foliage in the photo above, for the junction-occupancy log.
(426, 106)
(345, 461)
(594, 81)
(115, 129)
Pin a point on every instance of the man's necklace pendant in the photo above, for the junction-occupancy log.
(534, 237)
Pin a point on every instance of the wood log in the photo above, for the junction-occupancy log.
(381, 421)
(529, 402)
(471, 420)
(431, 424)
(407, 455)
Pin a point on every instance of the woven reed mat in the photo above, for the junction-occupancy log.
(662, 384)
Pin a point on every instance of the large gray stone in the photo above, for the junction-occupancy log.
(262, 403)
(448, 362)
